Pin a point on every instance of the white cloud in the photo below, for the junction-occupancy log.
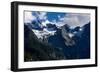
(54, 21)
(59, 16)
(36, 15)
(72, 19)
(75, 19)
(29, 17)
(42, 15)
(44, 23)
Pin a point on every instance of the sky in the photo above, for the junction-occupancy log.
(58, 18)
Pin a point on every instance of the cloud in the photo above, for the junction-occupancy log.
(29, 17)
(75, 19)
(44, 23)
(59, 16)
(41, 15)
(72, 19)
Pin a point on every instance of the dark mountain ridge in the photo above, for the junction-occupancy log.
(35, 50)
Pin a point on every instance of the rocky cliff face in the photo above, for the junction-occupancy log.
(75, 43)
(35, 50)
(67, 37)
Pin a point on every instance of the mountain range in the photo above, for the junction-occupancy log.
(36, 50)
(62, 42)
